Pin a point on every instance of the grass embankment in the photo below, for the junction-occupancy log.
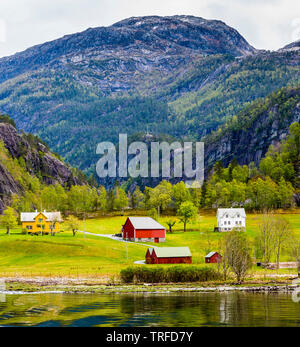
(97, 257)
(63, 255)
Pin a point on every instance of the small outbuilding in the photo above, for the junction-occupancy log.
(213, 257)
(169, 255)
(143, 229)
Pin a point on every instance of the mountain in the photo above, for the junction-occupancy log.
(292, 47)
(23, 159)
(133, 45)
(183, 76)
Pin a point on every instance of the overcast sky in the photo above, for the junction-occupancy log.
(267, 24)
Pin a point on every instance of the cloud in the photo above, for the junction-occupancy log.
(268, 24)
(265, 24)
(2, 31)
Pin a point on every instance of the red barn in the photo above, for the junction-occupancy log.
(143, 229)
(169, 255)
(213, 257)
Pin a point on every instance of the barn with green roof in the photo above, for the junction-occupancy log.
(169, 255)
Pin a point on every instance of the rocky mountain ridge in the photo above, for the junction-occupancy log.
(292, 47)
(131, 47)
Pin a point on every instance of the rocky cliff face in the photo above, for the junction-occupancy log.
(249, 143)
(38, 160)
(8, 186)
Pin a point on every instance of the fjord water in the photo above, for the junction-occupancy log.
(126, 310)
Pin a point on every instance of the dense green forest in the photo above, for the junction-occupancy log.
(241, 82)
(264, 188)
(270, 186)
(189, 103)
(278, 106)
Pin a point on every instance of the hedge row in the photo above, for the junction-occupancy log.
(159, 274)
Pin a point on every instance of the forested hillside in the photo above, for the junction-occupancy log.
(247, 136)
(183, 76)
(275, 183)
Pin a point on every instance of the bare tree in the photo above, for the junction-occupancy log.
(281, 234)
(266, 237)
(294, 248)
(238, 253)
(55, 219)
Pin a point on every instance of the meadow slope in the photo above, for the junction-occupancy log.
(100, 257)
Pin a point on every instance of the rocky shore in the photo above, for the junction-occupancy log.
(72, 285)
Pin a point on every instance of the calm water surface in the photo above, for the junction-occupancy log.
(123, 310)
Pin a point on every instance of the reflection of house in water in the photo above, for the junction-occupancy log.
(226, 302)
(237, 308)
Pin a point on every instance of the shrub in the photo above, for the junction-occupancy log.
(175, 274)
(7, 119)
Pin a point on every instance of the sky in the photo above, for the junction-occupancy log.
(265, 24)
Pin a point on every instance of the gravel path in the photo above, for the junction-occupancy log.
(113, 237)
(140, 262)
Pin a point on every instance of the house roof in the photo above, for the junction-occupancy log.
(232, 212)
(171, 252)
(50, 216)
(209, 255)
(145, 223)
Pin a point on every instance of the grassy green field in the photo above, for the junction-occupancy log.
(64, 255)
(93, 256)
(200, 238)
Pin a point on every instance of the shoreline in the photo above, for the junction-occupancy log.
(95, 286)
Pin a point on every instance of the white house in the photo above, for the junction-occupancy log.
(229, 218)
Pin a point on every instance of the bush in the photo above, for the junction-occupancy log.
(7, 119)
(175, 274)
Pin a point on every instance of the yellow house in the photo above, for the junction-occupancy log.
(41, 222)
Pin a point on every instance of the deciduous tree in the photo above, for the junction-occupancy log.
(9, 219)
(187, 212)
(102, 199)
(170, 223)
(160, 196)
(72, 223)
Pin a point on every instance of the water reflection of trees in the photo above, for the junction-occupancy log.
(185, 309)
(173, 310)
(258, 309)
(213, 309)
